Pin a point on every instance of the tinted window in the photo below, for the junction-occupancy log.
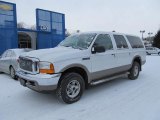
(120, 41)
(135, 41)
(148, 48)
(105, 41)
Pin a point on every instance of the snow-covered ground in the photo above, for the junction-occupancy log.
(121, 99)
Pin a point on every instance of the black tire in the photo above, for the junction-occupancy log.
(134, 71)
(13, 73)
(65, 87)
(159, 53)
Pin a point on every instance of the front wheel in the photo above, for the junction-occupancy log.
(134, 72)
(71, 88)
(12, 73)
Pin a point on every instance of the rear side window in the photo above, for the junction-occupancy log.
(120, 41)
(135, 41)
(105, 41)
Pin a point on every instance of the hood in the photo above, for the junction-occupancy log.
(55, 54)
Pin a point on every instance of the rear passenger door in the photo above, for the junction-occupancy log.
(102, 63)
(122, 53)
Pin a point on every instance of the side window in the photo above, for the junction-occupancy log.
(8, 53)
(104, 40)
(135, 42)
(120, 41)
(147, 48)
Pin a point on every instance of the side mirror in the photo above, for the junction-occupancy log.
(98, 49)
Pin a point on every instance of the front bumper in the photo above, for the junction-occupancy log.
(39, 82)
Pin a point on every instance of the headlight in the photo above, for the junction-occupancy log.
(46, 67)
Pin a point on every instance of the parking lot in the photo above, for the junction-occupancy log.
(121, 99)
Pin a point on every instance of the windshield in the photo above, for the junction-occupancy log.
(79, 41)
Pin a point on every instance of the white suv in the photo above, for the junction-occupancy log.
(152, 50)
(82, 60)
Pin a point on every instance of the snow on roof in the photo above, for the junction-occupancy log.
(103, 32)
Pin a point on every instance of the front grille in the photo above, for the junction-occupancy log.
(25, 64)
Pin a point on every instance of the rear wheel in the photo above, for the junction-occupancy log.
(12, 73)
(71, 88)
(134, 72)
(159, 53)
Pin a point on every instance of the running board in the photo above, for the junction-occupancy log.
(107, 79)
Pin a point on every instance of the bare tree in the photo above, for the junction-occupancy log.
(156, 42)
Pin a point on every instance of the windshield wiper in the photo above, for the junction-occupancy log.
(66, 46)
(77, 47)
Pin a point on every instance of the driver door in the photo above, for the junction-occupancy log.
(103, 63)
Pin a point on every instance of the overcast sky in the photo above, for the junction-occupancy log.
(126, 16)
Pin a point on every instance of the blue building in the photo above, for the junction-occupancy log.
(50, 29)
